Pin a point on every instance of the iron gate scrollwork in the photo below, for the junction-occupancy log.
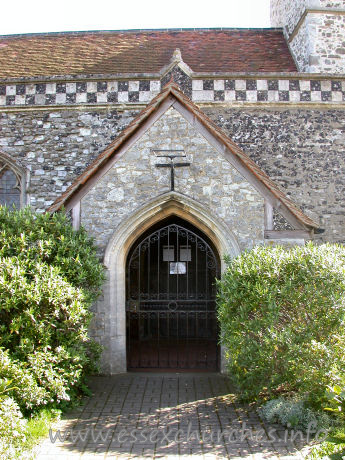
(171, 300)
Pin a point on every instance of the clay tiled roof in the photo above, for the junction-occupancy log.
(172, 90)
(90, 53)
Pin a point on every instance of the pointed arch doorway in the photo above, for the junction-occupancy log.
(171, 322)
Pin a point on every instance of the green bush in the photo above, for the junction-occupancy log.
(49, 277)
(12, 429)
(39, 308)
(23, 388)
(294, 413)
(332, 448)
(31, 237)
(335, 396)
(282, 318)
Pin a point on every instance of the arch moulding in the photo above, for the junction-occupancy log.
(119, 245)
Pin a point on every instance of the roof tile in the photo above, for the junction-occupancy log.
(91, 53)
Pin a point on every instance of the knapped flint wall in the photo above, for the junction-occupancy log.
(300, 148)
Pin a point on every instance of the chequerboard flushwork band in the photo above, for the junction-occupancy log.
(271, 90)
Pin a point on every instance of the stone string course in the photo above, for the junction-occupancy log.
(142, 91)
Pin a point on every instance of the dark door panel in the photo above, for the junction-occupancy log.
(170, 307)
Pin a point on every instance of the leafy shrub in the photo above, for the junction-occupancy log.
(23, 385)
(332, 448)
(49, 277)
(282, 318)
(12, 429)
(33, 237)
(335, 395)
(39, 308)
(293, 413)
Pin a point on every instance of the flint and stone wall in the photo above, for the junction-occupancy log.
(210, 180)
(57, 146)
(292, 125)
(295, 132)
(315, 32)
(302, 151)
(300, 148)
(319, 45)
(135, 181)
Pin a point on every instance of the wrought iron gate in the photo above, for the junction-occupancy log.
(170, 307)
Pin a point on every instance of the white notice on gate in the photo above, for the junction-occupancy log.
(177, 268)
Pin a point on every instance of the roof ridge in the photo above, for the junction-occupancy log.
(110, 31)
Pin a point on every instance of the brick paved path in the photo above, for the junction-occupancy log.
(165, 416)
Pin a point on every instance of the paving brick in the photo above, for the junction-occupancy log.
(197, 421)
